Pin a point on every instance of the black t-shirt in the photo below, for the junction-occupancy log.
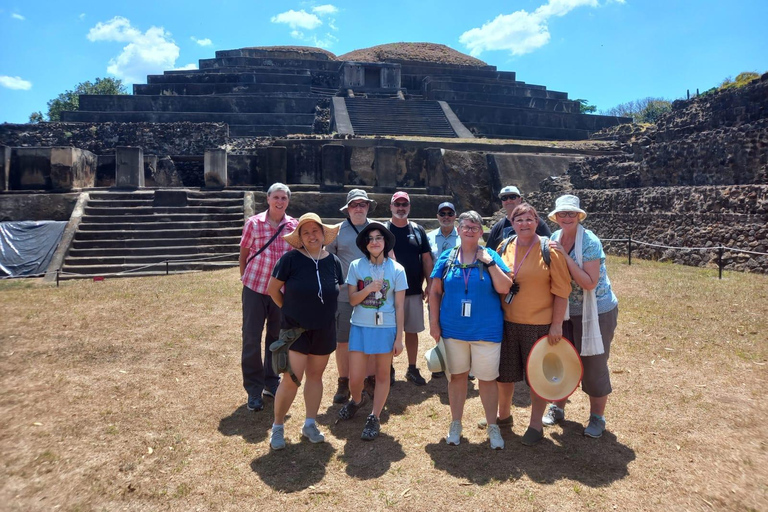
(503, 229)
(301, 304)
(408, 253)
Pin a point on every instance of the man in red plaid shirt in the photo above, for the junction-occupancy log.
(259, 231)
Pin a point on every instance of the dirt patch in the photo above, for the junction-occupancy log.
(419, 52)
(125, 394)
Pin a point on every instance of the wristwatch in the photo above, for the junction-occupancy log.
(491, 263)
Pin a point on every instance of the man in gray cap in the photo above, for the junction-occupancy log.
(510, 199)
(344, 246)
(445, 237)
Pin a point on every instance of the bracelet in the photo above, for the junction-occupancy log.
(491, 263)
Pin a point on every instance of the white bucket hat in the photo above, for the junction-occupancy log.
(437, 359)
(553, 371)
(567, 203)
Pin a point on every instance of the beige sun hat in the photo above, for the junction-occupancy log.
(553, 371)
(437, 359)
(330, 232)
(567, 203)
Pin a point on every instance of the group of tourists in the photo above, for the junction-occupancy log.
(358, 289)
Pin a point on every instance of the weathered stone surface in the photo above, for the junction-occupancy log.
(332, 167)
(5, 166)
(215, 168)
(56, 169)
(129, 167)
(386, 168)
(468, 181)
(36, 206)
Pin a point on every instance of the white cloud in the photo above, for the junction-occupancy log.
(298, 19)
(82, 16)
(324, 10)
(326, 43)
(520, 32)
(15, 82)
(18, 16)
(186, 67)
(202, 42)
(146, 53)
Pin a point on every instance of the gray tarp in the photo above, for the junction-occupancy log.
(26, 247)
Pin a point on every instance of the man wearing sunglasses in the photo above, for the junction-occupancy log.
(510, 199)
(412, 251)
(345, 247)
(445, 237)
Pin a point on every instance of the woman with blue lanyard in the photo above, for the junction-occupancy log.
(465, 310)
(377, 286)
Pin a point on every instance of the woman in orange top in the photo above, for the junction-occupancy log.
(536, 308)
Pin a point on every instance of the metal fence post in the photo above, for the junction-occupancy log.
(720, 262)
(629, 249)
(166, 267)
(58, 270)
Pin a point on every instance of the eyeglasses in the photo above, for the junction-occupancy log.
(401, 205)
(359, 204)
(510, 197)
(375, 239)
(447, 214)
(562, 215)
(472, 229)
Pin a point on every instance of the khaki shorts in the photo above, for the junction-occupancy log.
(479, 357)
(343, 316)
(414, 314)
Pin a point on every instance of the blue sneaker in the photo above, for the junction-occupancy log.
(596, 426)
(255, 403)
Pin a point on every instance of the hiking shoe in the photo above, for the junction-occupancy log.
(391, 375)
(312, 433)
(342, 392)
(531, 437)
(348, 411)
(596, 426)
(506, 422)
(494, 436)
(454, 433)
(553, 415)
(369, 385)
(277, 438)
(270, 391)
(255, 403)
(372, 428)
(438, 375)
(470, 377)
(414, 376)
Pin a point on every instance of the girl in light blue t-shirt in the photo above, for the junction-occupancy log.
(377, 288)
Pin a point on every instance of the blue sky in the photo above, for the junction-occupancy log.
(606, 51)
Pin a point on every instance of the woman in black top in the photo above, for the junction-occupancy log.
(305, 284)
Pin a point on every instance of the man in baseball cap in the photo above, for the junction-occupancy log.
(511, 198)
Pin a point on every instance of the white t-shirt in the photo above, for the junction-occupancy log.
(360, 275)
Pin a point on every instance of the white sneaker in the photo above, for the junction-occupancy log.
(277, 439)
(494, 436)
(312, 433)
(454, 433)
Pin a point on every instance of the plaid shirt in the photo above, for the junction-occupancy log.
(256, 233)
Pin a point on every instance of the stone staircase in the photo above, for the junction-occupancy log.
(123, 232)
(372, 116)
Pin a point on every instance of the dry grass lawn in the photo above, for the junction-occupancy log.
(126, 395)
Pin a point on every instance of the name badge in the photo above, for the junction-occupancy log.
(379, 318)
(466, 308)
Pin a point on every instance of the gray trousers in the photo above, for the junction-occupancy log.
(257, 373)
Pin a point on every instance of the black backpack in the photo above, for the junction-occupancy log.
(544, 248)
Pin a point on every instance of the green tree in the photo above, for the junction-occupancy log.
(645, 110)
(741, 80)
(70, 100)
(585, 107)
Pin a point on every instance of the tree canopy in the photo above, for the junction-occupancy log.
(645, 110)
(70, 100)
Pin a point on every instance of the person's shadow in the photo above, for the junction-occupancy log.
(295, 468)
(252, 426)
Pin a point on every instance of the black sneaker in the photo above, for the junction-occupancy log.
(391, 375)
(414, 376)
(342, 391)
(438, 375)
(348, 411)
(369, 385)
(371, 429)
(255, 403)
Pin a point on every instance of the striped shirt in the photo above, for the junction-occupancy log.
(257, 232)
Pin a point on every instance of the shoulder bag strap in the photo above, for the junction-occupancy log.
(263, 247)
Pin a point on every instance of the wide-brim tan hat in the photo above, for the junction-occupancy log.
(567, 203)
(437, 359)
(554, 371)
(330, 232)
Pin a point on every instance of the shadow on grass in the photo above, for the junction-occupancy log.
(296, 467)
(564, 453)
(252, 426)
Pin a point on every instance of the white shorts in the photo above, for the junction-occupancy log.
(479, 357)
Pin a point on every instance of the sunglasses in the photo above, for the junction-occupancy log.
(359, 204)
(401, 205)
(447, 214)
(375, 239)
(563, 215)
(510, 197)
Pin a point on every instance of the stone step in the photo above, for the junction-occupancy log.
(495, 89)
(501, 115)
(246, 103)
(542, 105)
(137, 260)
(150, 194)
(179, 250)
(250, 62)
(267, 119)
(87, 271)
(327, 204)
(162, 217)
(269, 130)
(273, 54)
(152, 243)
(308, 187)
(251, 69)
(140, 227)
(165, 210)
(202, 89)
(148, 203)
(161, 234)
(397, 117)
(252, 77)
(508, 131)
